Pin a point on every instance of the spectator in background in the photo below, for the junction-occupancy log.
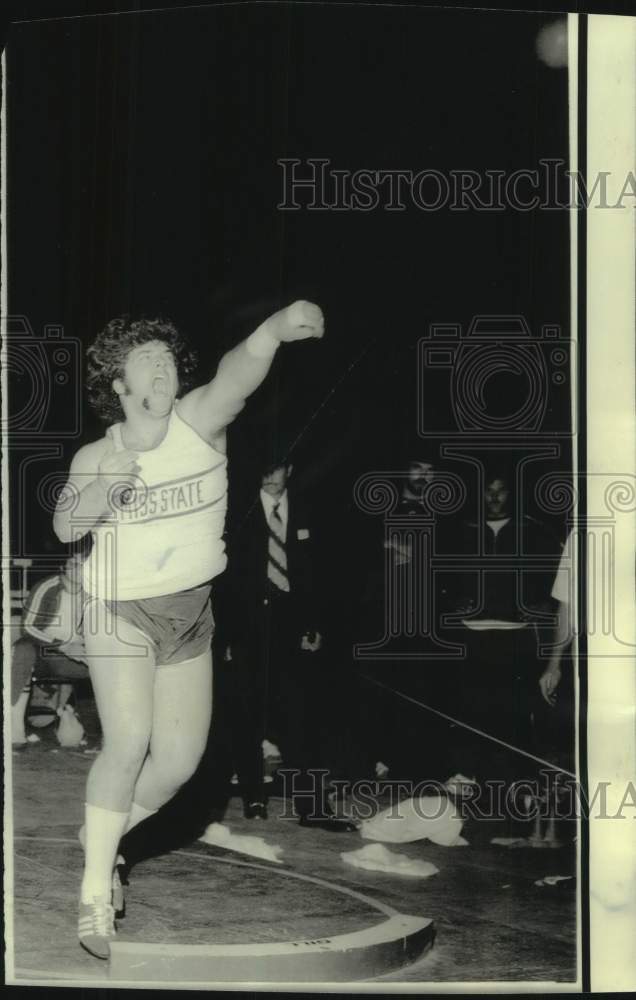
(51, 652)
(394, 743)
(420, 475)
(562, 593)
(554, 710)
(273, 621)
(503, 599)
(23, 660)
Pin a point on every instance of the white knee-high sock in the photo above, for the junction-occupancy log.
(136, 815)
(103, 831)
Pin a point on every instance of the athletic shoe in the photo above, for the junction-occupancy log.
(96, 926)
(118, 899)
(255, 810)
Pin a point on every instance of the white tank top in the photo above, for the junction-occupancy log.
(166, 535)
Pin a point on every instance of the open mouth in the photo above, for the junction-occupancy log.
(160, 385)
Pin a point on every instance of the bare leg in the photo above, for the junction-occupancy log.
(180, 727)
(123, 687)
(18, 712)
(22, 665)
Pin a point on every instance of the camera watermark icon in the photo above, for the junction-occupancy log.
(499, 380)
(432, 588)
(411, 564)
(595, 534)
(43, 380)
(62, 597)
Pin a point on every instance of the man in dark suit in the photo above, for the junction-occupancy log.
(274, 668)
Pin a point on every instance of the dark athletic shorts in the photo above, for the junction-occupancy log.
(179, 626)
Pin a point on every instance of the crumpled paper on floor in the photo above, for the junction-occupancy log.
(430, 817)
(536, 843)
(553, 879)
(376, 858)
(509, 841)
(220, 835)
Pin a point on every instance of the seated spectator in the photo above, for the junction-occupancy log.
(50, 655)
(502, 600)
(23, 660)
(53, 610)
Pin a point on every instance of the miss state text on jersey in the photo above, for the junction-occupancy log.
(165, 534)
(141, 503)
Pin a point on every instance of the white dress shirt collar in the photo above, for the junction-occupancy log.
(269, 502)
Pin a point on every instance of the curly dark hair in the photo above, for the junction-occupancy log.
(107, 358)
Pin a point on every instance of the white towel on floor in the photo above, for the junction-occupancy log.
(431, 817)
(376, 858)
(220, 835)
(553, 879)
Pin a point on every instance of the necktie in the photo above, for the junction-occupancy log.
(276, 555)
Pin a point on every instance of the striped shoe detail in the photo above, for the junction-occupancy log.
(96, 926)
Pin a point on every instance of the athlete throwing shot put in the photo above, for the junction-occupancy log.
(152, 492)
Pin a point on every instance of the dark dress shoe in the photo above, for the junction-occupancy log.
(123, 870)
(255, 810)
(328, 822)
